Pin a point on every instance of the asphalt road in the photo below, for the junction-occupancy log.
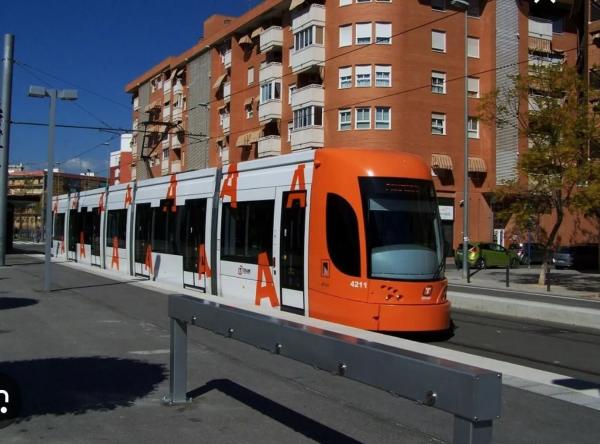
(92, 359)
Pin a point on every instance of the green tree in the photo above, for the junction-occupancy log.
(549, 106)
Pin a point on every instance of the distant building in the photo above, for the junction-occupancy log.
(26, 193)
(305, 74)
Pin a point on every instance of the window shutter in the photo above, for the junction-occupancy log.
(363, 31)
(473, 85)
(383, 31)
(473, 47)
(438, 40)
(345, 35)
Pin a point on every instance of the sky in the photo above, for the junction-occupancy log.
(96, 47)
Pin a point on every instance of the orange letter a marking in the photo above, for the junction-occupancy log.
(203, 267)
(230, 185)
(265, 277)
(297, 189)
(128, 197)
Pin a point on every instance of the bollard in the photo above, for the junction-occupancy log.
(468, 273)
(508, 275)
(547, 276)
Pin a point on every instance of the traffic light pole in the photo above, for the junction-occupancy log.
(5, 107)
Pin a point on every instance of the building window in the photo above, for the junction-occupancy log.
(308, 36)
(345, 119)
(345, 76)
(438, 41)
(473, 128)
(249, 111)
(363, 75)
(438, 124)
(438, 5)
(363, 33)
(363, 118)
(473, 87)
(438, 82)
(383, 75)
(250, 75)
(165, 154)
(270, 91)
(382, 117)
(291, 90)
(345, 2)
(309, 116)
(383, 33)
(363, 1)
(474, 9)
(473, 45)
(345, 35)
(290, 129)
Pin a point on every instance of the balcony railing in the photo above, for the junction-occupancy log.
(307, 137)
(269, 110)
(269, 146)
(227, 59)
(307, 96)
(226, 123)
(306, 58)
(540, 28)
(176, 166)
(227, 91)
(271, 38)
(315, 15)
(270, 71)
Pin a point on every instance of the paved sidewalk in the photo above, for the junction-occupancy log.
(567, 283)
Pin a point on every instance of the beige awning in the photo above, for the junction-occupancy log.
(248, 101)
(258, 31)
(537, 44)
(248, 138)
(245, 40)
(477, 165)
(220, 140)
(219, 81)
(257, 99)
(151, 106)
(295, 4)
(441, 162)
(222, 107)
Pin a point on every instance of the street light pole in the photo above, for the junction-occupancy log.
(465, 5)
(53, 94)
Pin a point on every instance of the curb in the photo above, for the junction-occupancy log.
(531, 310)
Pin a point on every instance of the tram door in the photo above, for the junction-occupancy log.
(291, 254)
(94, 222)
(195, 261)
(74, 227)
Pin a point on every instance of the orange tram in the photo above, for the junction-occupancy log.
(351, 236)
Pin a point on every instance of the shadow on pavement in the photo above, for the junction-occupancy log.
(294, 420)
(10, 303)
(60, 386)
(104, 284)
(577, 384)
(575, 282)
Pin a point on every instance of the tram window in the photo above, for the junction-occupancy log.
(86, 225)
(247, 231)
(116, 227)
(59, 226)
(342, 235)
(168, 226)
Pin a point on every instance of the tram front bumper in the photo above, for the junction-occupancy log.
(412, 318)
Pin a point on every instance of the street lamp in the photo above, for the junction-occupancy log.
(465, 5)
(63, 94)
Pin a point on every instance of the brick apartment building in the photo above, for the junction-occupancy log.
(296, 75)
(119, 168)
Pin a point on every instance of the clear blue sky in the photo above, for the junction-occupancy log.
(96, 47)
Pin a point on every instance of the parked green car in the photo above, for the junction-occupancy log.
(485, 254)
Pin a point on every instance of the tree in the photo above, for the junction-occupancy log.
(549, 106)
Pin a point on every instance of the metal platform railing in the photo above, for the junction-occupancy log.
(471, 394)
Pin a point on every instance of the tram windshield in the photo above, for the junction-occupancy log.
(404, 238)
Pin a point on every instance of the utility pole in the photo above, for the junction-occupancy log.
(5, 107)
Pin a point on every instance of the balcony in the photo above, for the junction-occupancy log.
(268, 110)
(269, 146)
(315, 15)
(270, 71)
(164, 167)
(225, 123)
(306, 58)
(227, 91)
(307, 96)
(271, 38)
(307, 137)
(225, 155)
(178, 88)
(540, 28)
(176, 166)
(227, 59)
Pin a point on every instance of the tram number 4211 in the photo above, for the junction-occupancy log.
(358, 284)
